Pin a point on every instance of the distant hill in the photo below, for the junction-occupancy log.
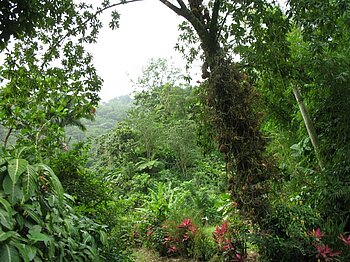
(107, 115)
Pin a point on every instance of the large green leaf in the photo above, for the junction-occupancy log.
(54, 181)
(9, 253)
(12, 189)
(16, 167)
(6, 205)
(33, 214)
(29, 183)
(37, 236)
(6, 235)
(6, 220)
(27, 252)
(103, 237)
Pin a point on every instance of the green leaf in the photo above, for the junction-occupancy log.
(12, 189)
(37, 236)
(9, 253)
(16, 167)
(5, 219)
(54, 181)
(51, 248)
(86, 237)
(35, 228)
(2, 161)
(103, 237)
(20, 220)
(23, 250)
(33, 215)
(6, 235)
(29, 183)
(6, 205)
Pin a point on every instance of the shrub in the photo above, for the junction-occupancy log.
(288, 238)
(37, 221)
(230, 247)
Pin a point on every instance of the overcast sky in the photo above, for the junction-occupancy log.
(148, 29)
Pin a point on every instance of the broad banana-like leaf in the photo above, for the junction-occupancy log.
(16, 167)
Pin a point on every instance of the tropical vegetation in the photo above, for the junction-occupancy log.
(250, 163)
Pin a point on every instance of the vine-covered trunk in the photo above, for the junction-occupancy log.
(231, 99)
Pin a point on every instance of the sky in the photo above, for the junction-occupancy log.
(148, 29)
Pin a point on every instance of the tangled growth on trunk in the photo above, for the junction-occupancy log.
(231, 100)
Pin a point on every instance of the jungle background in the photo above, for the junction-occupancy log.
(249, 163)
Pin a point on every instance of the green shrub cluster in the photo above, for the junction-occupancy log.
(38, 222)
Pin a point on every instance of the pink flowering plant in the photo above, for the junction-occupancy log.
(229, 245)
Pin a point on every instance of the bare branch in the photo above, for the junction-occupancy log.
(179, 11)
(7, 137)
(114, 5)
(182, 4)
(222, 24)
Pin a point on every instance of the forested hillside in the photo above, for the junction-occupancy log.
(249, 163)
(107, 115)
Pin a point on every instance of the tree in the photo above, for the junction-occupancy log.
(19, 18)
(231, 98)
(48, 80)
(302, 51)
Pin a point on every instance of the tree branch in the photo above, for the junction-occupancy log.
(7, 137)
(74, 31)
(214, 18)
(114, 5)
(222, 25)
(179, 11)
(182, 4)
(188, 15)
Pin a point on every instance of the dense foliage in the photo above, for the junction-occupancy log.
(37, 219)
(249, 163)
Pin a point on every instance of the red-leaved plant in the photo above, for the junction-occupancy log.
(345, 239)
(323, 251)
(179, 239)
(228, 246)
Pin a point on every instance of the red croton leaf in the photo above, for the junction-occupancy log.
(345, 239)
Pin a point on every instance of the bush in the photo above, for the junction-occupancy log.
(288, 239)
(37, 219)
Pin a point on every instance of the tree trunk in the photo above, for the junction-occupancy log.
(309, 125)
(231, 98)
